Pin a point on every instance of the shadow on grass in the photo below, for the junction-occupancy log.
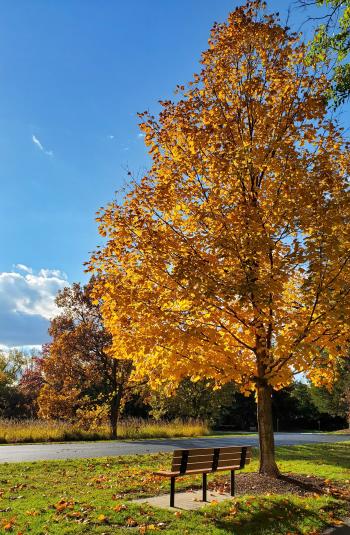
(271, 518)
(333, 454)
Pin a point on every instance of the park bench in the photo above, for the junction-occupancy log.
(206, 461)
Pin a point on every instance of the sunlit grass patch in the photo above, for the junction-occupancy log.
(328, 460)
(275, 514)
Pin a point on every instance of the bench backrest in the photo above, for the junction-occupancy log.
(211, 459)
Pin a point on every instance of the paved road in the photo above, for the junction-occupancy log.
(74, 450)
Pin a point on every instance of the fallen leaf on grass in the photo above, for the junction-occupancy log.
(8, 524)
(131, 523)
(75, 514)
(63, 504)
(119, 507)
(148, 527)
(103, 518)
(99, 479)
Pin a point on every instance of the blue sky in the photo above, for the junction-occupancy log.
(73, 74)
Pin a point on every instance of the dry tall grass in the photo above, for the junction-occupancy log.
(20, 431)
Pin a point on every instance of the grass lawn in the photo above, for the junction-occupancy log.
(93, 496)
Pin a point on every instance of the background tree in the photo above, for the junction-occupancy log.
(194, 400)
(80, 376)
(294, 409)
(11, 366)
(335, 401)
(230, 259)
(30, 384)
(331, 44)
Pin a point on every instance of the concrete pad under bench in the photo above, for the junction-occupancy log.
(189, 501)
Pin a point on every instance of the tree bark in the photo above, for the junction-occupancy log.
(268, 464)
(114, 414)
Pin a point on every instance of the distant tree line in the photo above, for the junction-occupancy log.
(75, 379)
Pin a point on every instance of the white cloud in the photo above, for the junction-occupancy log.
(23, 267)
(140, 135)
(37, 142)
(27, 303)
(32, 294)
(111, 136)
(40, 146)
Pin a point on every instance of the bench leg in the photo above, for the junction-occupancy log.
(204, 487)
(172, 492)
(232, 482)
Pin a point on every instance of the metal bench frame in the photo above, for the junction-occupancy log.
(182, 459)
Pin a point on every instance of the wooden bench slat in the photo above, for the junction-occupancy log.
(233, 453)
(209, 466)
(193, 459)
(222, 455)
(202, 458)
(225, 462)
(209, 451)
(194, 466)
(208, 459)
(205, 466)
(228, 460)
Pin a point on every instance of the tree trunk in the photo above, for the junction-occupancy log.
(268, 464)
(114, 414)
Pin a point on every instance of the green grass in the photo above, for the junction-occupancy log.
(93, 496)
(31, 431)
(327, 460)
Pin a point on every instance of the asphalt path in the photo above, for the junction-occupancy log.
(85, 450)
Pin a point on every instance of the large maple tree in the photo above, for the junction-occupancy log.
(230, 259)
